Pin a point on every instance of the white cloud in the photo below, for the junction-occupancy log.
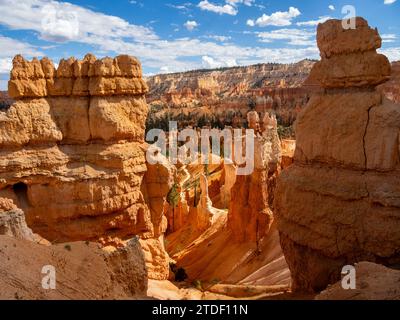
(5, 65)
(218, 38)
(250, 23)
(389, 1)
(111, 35)
(297, 37)
(393, 54)
(62, 21)
(212, 63)
(313, 22)
(10, 47)
(190, 25)
(220, 9)
(331, 7)
(248, 3)
(278, 18)
(388, 38)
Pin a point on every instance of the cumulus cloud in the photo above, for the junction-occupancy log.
(278, 18)
(62, 21)
(190, 25)
(229, 9)
(212, 63)
(331, 7)
(389, 1)
(313, 22)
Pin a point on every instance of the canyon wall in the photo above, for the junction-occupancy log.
(339, 202)
(73, 154)
(224, 96)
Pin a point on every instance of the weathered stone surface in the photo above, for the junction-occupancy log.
(158, 180)
(339, 203)
(12, 223)
(117, 118)
(36, 79)
(340, 141)
(333, 39)
(391, 88)
(156, 258)
(349, 57)
(250, 210)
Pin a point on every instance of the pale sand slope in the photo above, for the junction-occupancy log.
(83, 271)
(212, 257)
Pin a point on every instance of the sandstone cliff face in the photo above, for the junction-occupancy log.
(339, 202)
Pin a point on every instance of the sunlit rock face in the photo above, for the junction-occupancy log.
(250, 209)
(339, 202)
(73, 155)
(72, 148)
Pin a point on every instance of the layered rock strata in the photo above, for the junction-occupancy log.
(339, 202)
(222, 96)
(250, 209)
(73, 154)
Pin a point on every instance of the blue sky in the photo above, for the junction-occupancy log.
(174, 35)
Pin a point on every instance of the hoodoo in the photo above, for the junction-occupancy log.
(73, 155)
(339, 203)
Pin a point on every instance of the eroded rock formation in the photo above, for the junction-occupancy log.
(73, 154)
(250, 210)
(339, 202)
(13, 224)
